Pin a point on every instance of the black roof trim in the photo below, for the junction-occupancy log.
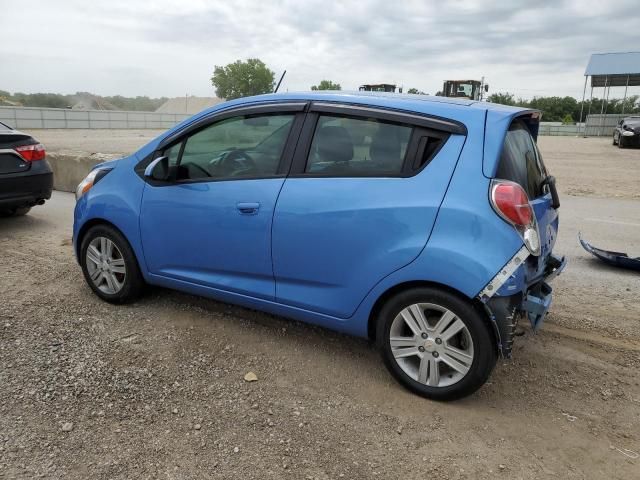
(251, 109)
(396, 115)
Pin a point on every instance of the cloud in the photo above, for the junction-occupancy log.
(164, 48)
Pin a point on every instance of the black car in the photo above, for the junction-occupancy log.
(627, 132)
(26, 178)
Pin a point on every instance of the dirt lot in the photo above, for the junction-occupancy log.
(156, 389)
(592, 167)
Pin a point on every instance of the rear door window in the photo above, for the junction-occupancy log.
(521, 161)
(345, 146)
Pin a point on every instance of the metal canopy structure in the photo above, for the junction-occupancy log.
(611, 70)
(614, 69)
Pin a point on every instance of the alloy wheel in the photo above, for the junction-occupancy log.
(431, 344)
(106, 265)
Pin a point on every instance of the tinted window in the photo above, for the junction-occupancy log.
(235, 147)
(344, 146)
(172, 154)
(521, 161)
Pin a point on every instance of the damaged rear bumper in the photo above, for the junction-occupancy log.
(615, 259)
(508, 297)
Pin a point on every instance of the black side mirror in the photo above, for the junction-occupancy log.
(158, 169)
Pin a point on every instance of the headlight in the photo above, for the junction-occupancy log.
(90, 180)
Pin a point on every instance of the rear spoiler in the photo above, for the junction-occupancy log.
(532, 120)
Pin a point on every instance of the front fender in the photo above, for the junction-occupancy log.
(115, 200)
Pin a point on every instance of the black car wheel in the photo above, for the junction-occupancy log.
(435, 343)
(621, 142)
(110, 266)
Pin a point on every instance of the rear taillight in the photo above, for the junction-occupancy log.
(31, 153)
(511, 202)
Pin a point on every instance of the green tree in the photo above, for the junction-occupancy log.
(242, 79)
(554, 109)
(326, 85)
(415, 91)
(138, 103)
(502, 98)
(568, 119)
(48, 100)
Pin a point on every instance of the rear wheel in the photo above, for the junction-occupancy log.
(15, 212)
(109, 265)
(435, 343)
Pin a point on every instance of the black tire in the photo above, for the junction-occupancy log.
(133, 283)
(484, 346)
(15, 212)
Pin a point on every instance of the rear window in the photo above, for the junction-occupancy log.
(521, 161)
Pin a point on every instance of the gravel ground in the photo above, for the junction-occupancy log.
(156, 389)
(592, 167)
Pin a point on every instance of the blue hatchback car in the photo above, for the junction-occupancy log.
(423, 223)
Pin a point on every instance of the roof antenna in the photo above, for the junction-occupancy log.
(280, 81)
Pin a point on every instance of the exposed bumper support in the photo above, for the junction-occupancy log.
(534, 301)
(536, 304)
(503, 275)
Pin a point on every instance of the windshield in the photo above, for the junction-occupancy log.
(465, 89)
(462, 89)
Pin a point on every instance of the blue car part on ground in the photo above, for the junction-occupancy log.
(615, 259)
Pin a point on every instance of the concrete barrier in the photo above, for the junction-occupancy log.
(69, 168)
(30, 118)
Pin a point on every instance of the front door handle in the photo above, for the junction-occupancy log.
(248, 208)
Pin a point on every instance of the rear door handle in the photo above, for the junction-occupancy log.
(248, 208)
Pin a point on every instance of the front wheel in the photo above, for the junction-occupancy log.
(621, 143)
(435, 343)
(109, 265)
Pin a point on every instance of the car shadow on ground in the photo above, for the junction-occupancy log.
(10, 225)
(600, 266)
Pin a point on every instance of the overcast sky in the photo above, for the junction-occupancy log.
(169, 48)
